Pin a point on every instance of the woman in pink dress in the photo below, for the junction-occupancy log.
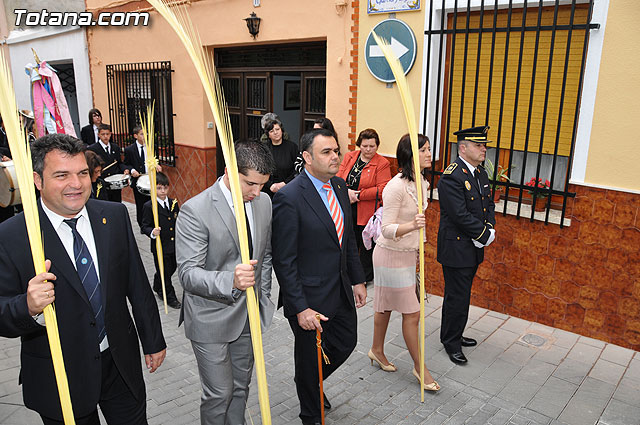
(395, 257)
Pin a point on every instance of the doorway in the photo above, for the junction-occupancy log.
(289, 80)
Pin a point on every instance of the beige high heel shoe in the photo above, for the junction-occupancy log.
(387, 368)
(429, 387)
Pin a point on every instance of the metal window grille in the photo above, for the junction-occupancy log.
(130, 88)
(518, 69)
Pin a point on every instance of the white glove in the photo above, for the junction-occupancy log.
(477, 244)
(492, 237)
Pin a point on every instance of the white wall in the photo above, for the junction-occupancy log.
(51, 45)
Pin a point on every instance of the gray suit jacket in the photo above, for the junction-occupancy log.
(207, 252)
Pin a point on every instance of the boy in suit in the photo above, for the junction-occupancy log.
(167, 214)
(135, 156)
(109, 153)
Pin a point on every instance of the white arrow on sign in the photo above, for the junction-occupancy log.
(398, 49)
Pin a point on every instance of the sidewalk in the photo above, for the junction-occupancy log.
(520, 373)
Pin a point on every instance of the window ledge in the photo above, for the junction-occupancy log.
(525, 211)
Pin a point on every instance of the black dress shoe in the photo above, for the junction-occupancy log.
(458, 357)
(174, 304)
(468, 342)
(327, 405)
(310, 422)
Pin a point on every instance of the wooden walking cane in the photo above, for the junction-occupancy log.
(326, 360)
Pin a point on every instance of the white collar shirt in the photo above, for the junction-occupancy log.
(95, 133)
(66, 237)
(105, 147)
(247, 207)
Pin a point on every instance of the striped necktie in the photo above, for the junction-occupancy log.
(334, 210)
(88, 276)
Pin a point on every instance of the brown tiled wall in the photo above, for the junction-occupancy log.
(584, 278)
(195, 170)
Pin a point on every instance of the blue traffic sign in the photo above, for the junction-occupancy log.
(403, 43)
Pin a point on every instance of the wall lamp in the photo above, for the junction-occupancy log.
(253, 24)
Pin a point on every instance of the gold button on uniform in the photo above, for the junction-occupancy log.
(483, 208)
(458, 238)
(169, 218)
(171, 228)
(171, 238)
(472, 198)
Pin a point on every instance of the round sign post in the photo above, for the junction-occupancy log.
(403, 43)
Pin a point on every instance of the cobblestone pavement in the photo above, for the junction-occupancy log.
(570, 379)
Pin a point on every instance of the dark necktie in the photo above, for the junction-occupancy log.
(107, 151)
(476, 174)
(142, 158)
(249, 236)
(88, 276)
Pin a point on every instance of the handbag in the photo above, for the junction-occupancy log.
(373, 229)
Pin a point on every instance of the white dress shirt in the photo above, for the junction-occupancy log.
(66, 237)
(144, 149)
(105, 147)
(165, 204)
(247, 208)
(95, 132)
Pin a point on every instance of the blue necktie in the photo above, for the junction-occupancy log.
(88, 276)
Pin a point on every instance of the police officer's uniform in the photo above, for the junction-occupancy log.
(466, 215)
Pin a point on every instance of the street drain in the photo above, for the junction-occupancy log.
(533, 339)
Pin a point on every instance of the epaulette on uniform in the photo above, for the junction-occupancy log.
(450, 168)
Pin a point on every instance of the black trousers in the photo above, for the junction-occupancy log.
(455, 307)
(170, 266)
(140, 201)
(366, 255)
(117, 403)
(339, 338)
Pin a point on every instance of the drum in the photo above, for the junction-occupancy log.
(9, 190)
(117, 181)
(144, 184)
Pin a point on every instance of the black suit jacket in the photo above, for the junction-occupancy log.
(132, 158)
(122, 278)
(311, 266)
(87, 135)
(167, 222)
(467, 212)
(115, 155)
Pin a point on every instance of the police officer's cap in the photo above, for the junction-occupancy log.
(473, 134)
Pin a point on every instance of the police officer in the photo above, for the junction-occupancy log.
(467, 223)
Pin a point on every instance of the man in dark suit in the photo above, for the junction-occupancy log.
(135, 156)
(168, 210)
(467, 223)
(315, 258)
(93, 269)
(109, 153)
(89, 133)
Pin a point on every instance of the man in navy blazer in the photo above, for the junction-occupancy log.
(101, 368)
(317, 265)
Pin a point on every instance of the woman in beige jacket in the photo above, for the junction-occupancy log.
(395, 258)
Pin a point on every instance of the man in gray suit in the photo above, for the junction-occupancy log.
(210, 268)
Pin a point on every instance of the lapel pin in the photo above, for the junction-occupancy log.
(467, 185)
(104, 220)
(464, 171)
